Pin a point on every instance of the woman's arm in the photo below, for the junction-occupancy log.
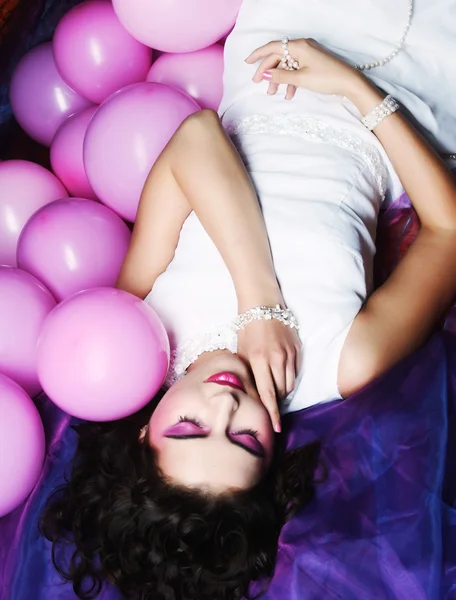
(401, 314)
(200, 170)
(162, 210)
(221, 194)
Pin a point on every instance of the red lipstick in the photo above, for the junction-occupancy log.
(228, 379)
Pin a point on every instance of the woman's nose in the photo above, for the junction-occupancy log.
(224, 404)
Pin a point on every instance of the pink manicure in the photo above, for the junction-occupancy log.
(267, 75)
(278, 428)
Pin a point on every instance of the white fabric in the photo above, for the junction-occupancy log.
(422, 77)
(320, 204)
(319, 175)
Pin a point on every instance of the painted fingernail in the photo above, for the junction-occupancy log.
(267, 75)
(278, 428)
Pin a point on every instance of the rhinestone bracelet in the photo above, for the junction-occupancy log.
(257, 313)
(380, 112)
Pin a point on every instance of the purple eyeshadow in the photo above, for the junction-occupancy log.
(184, 428)
(249, 441)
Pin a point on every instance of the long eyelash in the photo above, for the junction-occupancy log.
(247, 432)
(190, 420)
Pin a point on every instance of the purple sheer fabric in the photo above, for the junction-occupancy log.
(383, 523)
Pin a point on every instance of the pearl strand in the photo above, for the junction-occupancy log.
(397, 49)
(288, 62)
(389, 58)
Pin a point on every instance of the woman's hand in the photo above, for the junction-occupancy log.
(273, 352)
(320, 70)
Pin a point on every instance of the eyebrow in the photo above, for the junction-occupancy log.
(203, 435)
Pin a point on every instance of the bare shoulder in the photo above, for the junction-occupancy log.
(402, 313)
(357, 364)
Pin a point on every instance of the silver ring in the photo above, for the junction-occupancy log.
(288, 62)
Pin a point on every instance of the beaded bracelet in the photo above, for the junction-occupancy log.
(258, 313)
(380, 112)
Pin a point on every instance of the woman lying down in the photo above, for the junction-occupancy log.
(258, 256)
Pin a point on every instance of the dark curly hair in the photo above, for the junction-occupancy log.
(123, 522)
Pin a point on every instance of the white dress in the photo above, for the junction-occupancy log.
(321, 177)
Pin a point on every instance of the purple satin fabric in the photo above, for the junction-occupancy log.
(383, 523)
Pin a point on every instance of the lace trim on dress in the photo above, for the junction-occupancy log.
(185, 354)
(314, 130)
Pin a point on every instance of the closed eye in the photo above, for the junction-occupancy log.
(185, 430)
(189, 430)
(248, 441)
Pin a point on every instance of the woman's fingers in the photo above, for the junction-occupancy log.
(274, 47)
(266, 389)
(298, 358)
(290, 374)
(291, 91)
(272, 88)
(278, 370)
(270, 62)
(295, 47)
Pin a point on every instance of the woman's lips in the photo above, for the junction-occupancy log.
(229, 379)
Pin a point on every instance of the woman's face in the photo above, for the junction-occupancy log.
(211, 430)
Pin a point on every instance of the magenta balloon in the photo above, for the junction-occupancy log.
(198, 73)
(66, 154)
(126, 136)
(24, 305)
(177, 25)
(72, 245)
(102, 354)
(39, 97)
(22, 445)
(24, 188)
(95, 54)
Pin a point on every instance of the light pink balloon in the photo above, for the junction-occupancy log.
(24, 188)
(39, 97)
(126, 136)
(199, 73)
(103, 354)
(95, 54)
(66, 154)
(72, 245)
(24, 305)
(177, 25)
(22, 445)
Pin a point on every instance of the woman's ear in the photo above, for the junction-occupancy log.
(142, 433)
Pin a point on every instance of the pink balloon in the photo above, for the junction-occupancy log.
(95, 54)
(72, 245)
(102, 354)
(126, 136)
(177, 25)
(24, 188)
(22, 445)
(198, 73)
(39, 97)
(24, 305)
(66, 154)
